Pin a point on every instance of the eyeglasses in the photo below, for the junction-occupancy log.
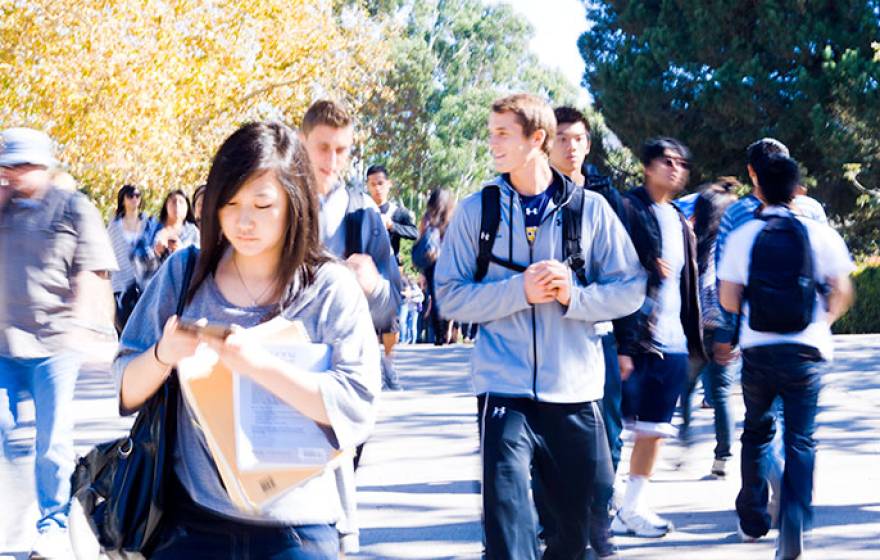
(679, 162)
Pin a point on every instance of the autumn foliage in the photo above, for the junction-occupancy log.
(144, 91)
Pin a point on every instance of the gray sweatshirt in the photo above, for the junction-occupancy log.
(547, 352)
(333, 311)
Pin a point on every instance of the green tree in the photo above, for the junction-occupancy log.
(720, 75)
(452, 59)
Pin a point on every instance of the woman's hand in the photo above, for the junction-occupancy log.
(175, 344)
(240, 353)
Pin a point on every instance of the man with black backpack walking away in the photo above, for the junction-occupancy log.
(787, 278)
(537, 261)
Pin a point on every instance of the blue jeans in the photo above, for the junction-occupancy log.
(791, 372)
(408, 319)
(192, 531)
(717, 381)
(52, 382)
(611, 413)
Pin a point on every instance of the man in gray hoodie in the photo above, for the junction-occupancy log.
(538, 367)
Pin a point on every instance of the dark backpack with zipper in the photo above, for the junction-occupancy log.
(781, 288)
(572, 214)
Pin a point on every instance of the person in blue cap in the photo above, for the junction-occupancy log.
(54, 252)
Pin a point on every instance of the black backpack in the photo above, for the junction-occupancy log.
(572, 214)
(355, 214)
(781, 288)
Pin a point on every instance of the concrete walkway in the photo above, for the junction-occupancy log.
(419, 489)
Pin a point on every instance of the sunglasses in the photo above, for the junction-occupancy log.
(133, 195)
(679, 162)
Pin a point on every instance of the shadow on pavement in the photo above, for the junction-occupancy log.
(451, 487)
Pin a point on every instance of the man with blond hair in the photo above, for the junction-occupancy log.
(537, 261)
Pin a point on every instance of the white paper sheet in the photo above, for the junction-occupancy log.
(271, 434)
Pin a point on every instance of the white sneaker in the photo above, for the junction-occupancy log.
(656, 520)
(52, 543)
(634, 523)
(743, 536)
(719, 468)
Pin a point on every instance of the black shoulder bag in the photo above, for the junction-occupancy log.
(121, 484)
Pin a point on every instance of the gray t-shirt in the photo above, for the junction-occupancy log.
(44, 244)
(333, 311)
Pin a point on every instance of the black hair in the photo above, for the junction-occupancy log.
(778, 176)
(439, 209)
(656, 147)
(199, 192)
(708, 210)
(252, 150)
(764, 148)
(373, 169)
(124, 191)
(163, 213)
(570, 115)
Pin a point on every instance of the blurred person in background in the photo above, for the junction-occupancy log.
(126, 227)
(176, 229)
(709, 206)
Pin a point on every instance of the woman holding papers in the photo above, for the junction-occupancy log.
(260, 259)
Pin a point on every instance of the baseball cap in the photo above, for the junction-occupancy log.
(20, 146)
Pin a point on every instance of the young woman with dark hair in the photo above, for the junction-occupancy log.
(260, 257)
(127, 226)
(176, 229)
(717, 378)
(438, 215)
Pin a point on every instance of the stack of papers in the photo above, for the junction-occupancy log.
(262, 446)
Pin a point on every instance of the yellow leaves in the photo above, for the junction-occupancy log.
(145, 90)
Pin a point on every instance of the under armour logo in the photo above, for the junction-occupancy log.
(485, 236)
(499, 412)
(531, 211)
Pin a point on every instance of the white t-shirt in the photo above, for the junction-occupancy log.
(669, 332)
(830, 259)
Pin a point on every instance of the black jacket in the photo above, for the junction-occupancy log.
(635, 333)
(403, 225)
(602, 185)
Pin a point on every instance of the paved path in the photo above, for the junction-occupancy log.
(419, 490)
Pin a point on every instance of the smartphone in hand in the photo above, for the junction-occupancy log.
(214, 330)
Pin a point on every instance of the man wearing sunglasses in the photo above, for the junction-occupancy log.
(54, 256)
(655, 342)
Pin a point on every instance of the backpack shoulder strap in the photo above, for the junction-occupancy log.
(572, 221)
(354, 221)
(490, 219)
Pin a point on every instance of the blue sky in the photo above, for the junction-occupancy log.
(558, 24)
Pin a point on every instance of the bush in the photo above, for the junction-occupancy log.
(864, 317)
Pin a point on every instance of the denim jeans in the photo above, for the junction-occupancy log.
(52, 382)
(717, 381)
(611, 413)
(408, 319)
(791, 372)
(565, 447)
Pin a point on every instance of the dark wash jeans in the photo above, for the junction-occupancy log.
(194, 533)
(791, 372)
(565, 446)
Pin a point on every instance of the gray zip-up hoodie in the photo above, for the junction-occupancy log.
(546, 352)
